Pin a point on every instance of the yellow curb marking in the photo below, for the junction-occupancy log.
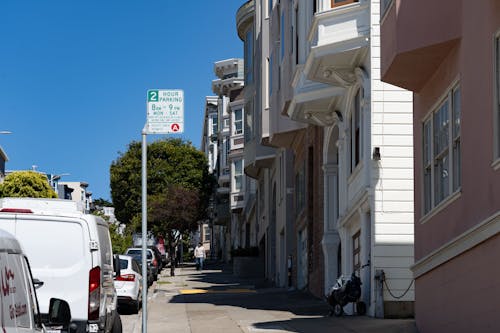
(204, 291)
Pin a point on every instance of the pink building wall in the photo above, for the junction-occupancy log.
(427, 46)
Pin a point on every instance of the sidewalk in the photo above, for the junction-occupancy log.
(215, 301)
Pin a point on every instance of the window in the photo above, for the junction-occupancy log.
(282, 36)
(356, 253)
(270, 75)
(238, 122)
(206, 234)
(336, 3)
(441, 150)
(249, 125)
(249, 57)
(226, 122)
(215, 125)
(300, 190)
(297, 35)
(355, 133)
(238, 175)
(497, 95)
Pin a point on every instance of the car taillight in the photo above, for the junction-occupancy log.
(16, 210)
(126, 277)
(94, 292)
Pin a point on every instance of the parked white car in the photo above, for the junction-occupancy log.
(71, 253)
(150, 259)
(19, 305)
(128, 284)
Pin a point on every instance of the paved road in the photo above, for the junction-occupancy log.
(214, 301)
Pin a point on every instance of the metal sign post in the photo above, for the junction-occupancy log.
(165, 115)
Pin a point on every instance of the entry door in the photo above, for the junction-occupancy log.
(302, 259)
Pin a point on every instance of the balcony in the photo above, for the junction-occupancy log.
(230, 76)
(339, 41)
(314, 103)
(416, 36)
(237, 202)
(256, 157)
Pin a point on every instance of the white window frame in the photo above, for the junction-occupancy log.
(441, 150)
(237, 121)
(238, 175)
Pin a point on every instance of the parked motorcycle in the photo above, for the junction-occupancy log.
(343, 292)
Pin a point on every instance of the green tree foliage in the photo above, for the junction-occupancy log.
(26, 184)
(170, 162)
(100, 202)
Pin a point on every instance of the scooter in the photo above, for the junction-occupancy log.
(343, 292)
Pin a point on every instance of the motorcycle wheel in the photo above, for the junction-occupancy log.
(338, 310)
(361, 308)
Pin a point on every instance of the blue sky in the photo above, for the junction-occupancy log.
(74, 76)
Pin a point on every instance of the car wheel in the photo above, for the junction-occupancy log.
(117, 324)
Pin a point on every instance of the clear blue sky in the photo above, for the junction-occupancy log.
(74, 76)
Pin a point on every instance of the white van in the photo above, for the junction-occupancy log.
(19, 310)
(71, 253)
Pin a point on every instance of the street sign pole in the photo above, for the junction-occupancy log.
(144, 232)
(165, 115)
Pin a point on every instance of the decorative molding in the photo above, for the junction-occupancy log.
(464, 242)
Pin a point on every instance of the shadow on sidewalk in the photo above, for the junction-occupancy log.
(312, 312)
(224, 289)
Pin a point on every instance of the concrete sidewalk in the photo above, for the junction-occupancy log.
(215, 301)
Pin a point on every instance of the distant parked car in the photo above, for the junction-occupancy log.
(138, 258)
(150, 259)
(128, 284)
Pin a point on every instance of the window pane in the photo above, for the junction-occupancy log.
(441, 123)
(441, 179)
(498, 93)
(457, 111)
(457, 167)
(238, 122)
(427, 143)
(427, 190)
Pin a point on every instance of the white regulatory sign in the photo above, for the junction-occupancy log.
(165, 111)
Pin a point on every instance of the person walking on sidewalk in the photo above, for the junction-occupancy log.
(199, 255)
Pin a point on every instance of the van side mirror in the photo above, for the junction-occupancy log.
(37, 283)
(116, 265)
(59, 312)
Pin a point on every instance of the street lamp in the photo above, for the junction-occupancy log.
(54, 178)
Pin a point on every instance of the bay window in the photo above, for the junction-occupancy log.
(441, 151)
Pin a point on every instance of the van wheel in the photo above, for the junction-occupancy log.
(117, 324)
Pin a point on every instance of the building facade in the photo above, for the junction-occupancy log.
(327, 152)
(350, 140)
(453, 70)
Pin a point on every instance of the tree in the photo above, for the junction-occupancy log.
(26, 184)
(100, 202)
(173, 166)
(175, 212)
